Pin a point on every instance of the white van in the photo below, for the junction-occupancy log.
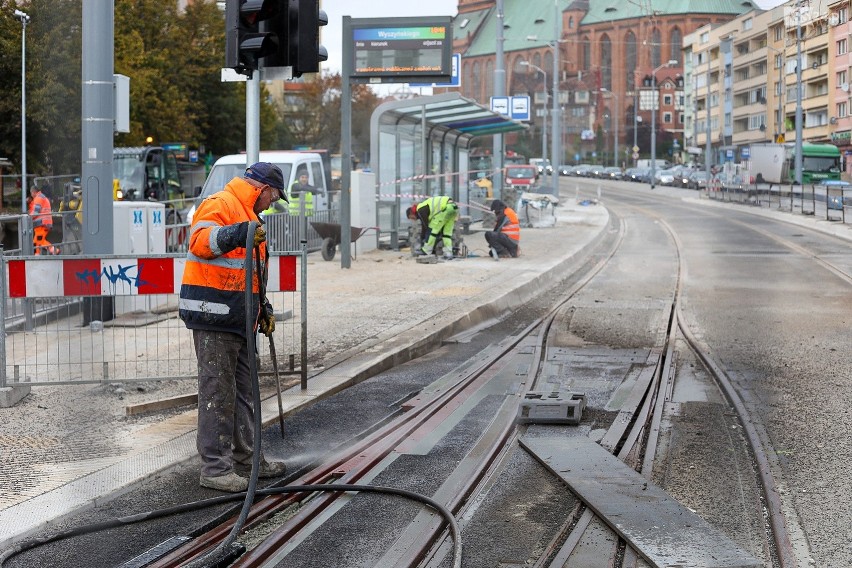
(291, 163)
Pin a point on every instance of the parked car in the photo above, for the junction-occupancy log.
(582, 170)
(520, 177)
(665, 177)
(682, 178)
(697, 180)
(542, 166)
(564, 169)
(637, 174)
(612, 172)
(596, 171)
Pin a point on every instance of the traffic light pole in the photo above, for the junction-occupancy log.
(346, 146)
(253, 118)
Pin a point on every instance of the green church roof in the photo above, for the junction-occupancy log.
(530, 24)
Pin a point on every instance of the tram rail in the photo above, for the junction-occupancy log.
(632, 437)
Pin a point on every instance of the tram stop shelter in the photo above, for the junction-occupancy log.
(420, 148)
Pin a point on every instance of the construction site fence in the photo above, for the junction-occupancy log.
(125, 335)
(827, 202)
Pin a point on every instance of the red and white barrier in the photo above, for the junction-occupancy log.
(35, 277)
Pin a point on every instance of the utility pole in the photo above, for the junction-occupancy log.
(556, 123)
(499, 91)
(24, 18)
(798, 156)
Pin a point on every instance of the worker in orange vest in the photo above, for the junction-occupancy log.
(42, 215)
(504, 240)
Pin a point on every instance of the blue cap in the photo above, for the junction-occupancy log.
(267, 173)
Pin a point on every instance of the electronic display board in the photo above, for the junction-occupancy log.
(399, 50)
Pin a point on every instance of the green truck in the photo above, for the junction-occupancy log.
(775, 163)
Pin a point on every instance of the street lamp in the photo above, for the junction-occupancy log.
(614, 98)
(654, 102)
(544, 126)
(779, 120)
(24, 19)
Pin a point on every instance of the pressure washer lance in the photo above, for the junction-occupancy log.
(261, 279)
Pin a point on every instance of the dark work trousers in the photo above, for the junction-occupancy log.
(501, 242)
(225, 417)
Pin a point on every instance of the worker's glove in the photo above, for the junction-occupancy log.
(234, 236)
(259, 235)
(266, 322)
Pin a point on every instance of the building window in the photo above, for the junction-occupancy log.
(779, 32)
(667, 118)
(841, 110)
(705, 37)
(656, 42)
(630, 60)
(841, 47)
(606, 62)
(756, 121)
(571, 23)
(667, 100)
(680, 118)
(843, 15)
(747, 23)
(676, 44)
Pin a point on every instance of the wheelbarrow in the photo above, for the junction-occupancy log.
(330, 235)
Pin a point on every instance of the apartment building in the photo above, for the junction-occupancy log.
(741, 79)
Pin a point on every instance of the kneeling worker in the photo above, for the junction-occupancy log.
(506, 236)
(437, 217)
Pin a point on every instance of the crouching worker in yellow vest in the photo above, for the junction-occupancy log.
(437, 218)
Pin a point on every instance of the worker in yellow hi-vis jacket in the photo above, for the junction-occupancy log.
(437, 218)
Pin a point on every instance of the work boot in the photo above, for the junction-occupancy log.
(493, 253)
(231, 482)
(267, 469)
(448, 255)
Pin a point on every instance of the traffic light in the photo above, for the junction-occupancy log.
(304, 51)
(251, 33)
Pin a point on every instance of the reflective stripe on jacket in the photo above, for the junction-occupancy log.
(212, 293)
(40, 211)
(434, 204)
(512, 229)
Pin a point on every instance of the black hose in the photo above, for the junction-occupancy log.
(251, 348)
(197, 505)
(252, 491)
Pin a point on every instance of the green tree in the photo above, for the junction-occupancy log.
(311, 115)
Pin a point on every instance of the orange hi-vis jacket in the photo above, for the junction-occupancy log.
(40, 211)
(512, 229)
(212, 293)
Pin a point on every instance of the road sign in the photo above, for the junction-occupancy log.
(635, 155)
(635, 149)
(745, 153)
(520, 108)
(500, 104)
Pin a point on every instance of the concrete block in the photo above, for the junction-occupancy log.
(552, 407)
(10, 396)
